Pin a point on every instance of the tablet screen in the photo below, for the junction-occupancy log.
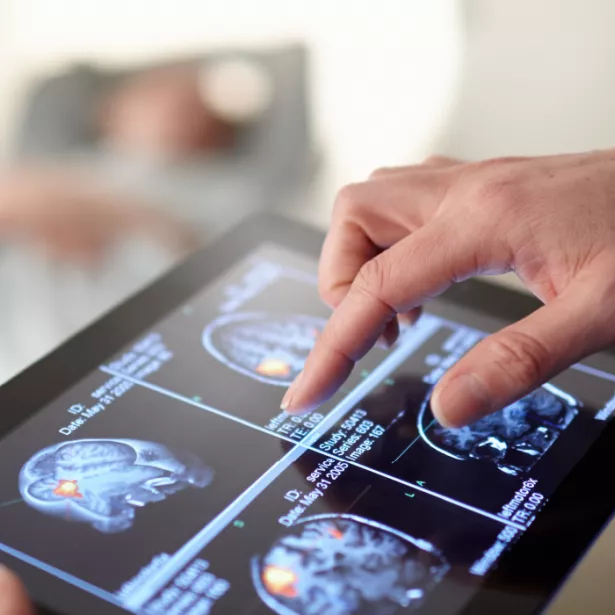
(168, 481)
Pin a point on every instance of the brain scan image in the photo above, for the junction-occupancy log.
(346, 565)
(268, 347)
(103, 482)
(514, 438)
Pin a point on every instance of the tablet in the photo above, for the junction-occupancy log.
(147, 468)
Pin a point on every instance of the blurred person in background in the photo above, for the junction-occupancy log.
(116, 174)
(209, 140)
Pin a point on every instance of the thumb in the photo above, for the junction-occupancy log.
(511, 363)
(13, 597)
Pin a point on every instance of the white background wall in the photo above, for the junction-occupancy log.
(539, 77)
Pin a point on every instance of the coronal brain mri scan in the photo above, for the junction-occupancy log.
(268, 347)
(514, 438)
(346, 565)
(101, 482)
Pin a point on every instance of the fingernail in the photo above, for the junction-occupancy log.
(462, 400)
(383, 343)
(406, 320)
(287, 400)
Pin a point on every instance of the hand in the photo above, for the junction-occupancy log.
(407, 234)
(72, 218)
(13, 597)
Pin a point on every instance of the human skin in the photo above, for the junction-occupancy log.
(406, 234)
(73, 217)
(161, 112)
(13, 597)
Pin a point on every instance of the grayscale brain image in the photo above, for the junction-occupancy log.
(102, 482)
(342, 564)
(514, 438)
(268, 347)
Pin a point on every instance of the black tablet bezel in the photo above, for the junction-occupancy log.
(527, 576)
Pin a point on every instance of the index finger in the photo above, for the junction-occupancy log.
(401, 278)
(372, 216)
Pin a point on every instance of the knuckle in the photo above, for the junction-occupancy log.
(371, 279)
(380, 172)
(502, 191)
(521, 356)
(497, 163)
(348, 199)
(439, 160)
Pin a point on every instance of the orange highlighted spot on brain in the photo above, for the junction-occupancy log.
(68, 489)
(273, 367)
(280, 581)
(335, 533)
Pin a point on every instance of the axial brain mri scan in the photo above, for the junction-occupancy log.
(268, 347)
(514, 438)
(100, 482)
(346, 565)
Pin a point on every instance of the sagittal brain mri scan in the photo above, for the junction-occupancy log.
(102, 482)
(342, 564)
(513, 439)
(268, 347)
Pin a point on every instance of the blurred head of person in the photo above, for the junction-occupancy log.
(162, 112)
